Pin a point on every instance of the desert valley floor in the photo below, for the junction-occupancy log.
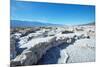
(52, 45)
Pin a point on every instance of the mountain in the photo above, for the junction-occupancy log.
(17, 23)
(92, 23)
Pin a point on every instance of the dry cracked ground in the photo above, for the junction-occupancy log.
(52, 45)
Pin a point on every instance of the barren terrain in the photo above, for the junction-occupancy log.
(52, 45)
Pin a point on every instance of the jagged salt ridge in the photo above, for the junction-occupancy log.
(37, 47)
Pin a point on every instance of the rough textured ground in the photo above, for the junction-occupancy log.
(52, 45)
(81, 51)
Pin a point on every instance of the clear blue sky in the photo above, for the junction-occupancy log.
(52, 13)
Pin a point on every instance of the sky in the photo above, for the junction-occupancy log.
(69, 14)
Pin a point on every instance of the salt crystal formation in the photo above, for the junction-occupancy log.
(53, 45)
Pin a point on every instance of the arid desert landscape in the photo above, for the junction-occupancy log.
(52, 45)
(44, 33)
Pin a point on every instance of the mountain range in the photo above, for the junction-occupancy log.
(17, 23)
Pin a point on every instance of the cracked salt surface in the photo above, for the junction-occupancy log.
(59, 48)
(80, 51)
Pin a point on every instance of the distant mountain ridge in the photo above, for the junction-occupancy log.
(92, 23)
(17, 23)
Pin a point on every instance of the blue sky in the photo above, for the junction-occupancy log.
(52, 13)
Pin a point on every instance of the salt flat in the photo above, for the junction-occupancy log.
(53, 45)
